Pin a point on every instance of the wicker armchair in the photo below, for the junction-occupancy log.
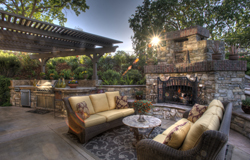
(211, 146)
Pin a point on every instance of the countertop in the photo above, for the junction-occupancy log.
(77, 89)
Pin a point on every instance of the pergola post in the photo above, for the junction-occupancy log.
(43, 63)
(95, 59)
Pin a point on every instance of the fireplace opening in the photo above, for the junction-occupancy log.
(177, 90)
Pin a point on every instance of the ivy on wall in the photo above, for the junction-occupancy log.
(4, 91)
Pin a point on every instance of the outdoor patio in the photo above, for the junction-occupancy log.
(25, 135)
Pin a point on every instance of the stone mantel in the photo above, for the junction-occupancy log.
(219, 65)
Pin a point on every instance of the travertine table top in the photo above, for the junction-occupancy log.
(150, 122)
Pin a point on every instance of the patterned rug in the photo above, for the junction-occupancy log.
(39, 111)
(116, 144)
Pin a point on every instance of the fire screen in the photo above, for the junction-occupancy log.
(177, 90)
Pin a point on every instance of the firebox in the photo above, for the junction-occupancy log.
(177, 90)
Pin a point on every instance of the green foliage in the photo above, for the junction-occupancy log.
(46, 10)
(111, 75)
(52, 71)
(134, 75)
(140, 93)
(246, 102)
(78, 71)
(4, 91)
(66, 73)
(73, 82)
(50, 65)
(142, 106)
(27, 63)
(9, 64)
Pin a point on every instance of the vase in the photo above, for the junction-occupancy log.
(141, 118)
(246, 109)
(63, 84)
(72, 85)
(138, 97)
(217, 56)
(233, 57)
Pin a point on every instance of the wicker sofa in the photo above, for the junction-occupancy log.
(103, 115)
(212, 144)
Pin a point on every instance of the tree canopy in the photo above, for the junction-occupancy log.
(44, 10)
(225, 19)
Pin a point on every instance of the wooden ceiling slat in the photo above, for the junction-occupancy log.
(9, 17)
(15, 18)
(3, 15)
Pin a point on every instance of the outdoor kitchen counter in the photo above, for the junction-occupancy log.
(77, 89)
(31, 87)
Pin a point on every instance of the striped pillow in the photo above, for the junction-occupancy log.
(196, 112)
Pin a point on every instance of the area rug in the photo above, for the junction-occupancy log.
(116, 144)
(39, 111)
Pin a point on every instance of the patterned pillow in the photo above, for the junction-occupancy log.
(177, 135)
(121, 102)
(196, 112)
(82, 111)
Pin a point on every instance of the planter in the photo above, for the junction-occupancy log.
(217, 56)
(71, 78)
(246, 109)
(138, 97)
(100, 91)
(233, 57)
(72, 85)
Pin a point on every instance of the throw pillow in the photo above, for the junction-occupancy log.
(82, 111)
(196, 112)
(177, 135)
(121, 102)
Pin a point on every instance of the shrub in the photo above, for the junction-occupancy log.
(9, 64)
(4, 91)
(78, 71)
(50, 65)
(52, 71)
(27, 63)
(111, 74)
(66, 73)
(134, 75)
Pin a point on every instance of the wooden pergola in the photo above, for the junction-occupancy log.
(18, 33)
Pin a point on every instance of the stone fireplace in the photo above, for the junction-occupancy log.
(188, 53)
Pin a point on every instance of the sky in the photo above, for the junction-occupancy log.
(108, 18)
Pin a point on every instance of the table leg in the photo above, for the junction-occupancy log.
(150, 132)
(138, 136)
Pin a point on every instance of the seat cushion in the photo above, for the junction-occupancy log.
(100, 102)
(206, 122)
(181, 121)
(214, 110)
(111, 114)
(111, 98)
(177, 135)
(126, 111)
(82, 110)
(196, 112)
(217, 103)
(94, 120)
(121, 102)
(160, 138)
(77, 99)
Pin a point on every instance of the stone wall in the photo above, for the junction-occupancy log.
(125, 90)
(241, 123)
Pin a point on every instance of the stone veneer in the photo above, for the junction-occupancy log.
(241, 122)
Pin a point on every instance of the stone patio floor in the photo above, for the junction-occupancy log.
(30, 136)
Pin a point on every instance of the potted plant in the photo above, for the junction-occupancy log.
(142, 107)
(73, 83)
(83, 74)
(72, 75)
(42, 74)
(216, 49)
(61, 75)
(138, 95)
(51, 76)
(233, 50)
(246, 105)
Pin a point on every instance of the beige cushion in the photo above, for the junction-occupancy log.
(126, 111)
(177, 135)
(94, 120)
(181, 121)
(217, 103)
(100, 102)
(206, 122)
(77, 99)
(196, 112)
(111, 114)
(214, 110)
(160, 138)
(111, 98)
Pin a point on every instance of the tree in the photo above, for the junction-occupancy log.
(220, 17)
(44, 10)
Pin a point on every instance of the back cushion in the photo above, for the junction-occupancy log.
(111, 98)
(77, 99)
(206, 122)
(214, 110)
(217, 103)
(100, 102)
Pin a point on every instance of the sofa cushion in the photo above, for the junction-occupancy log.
(121, 102)
(111, 98)
(111, 114)
(160, 138)
(82, 110)
(214, 110)
(181, 121)
(177, 135)
(126, 111)
(196, 112)
(206, 122)
(217, 103)
(77, 99)
(94, 119)
(100, 102)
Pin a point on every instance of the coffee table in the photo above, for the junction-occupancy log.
(131, 121)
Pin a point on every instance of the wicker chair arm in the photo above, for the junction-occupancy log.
(208, 148)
